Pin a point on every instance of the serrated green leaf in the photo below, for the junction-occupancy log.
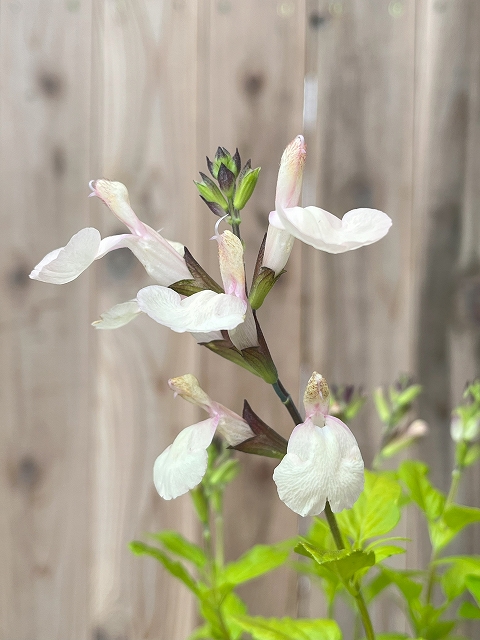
(172, 566)
(386, 551)
(255, 562)
(376, 511)
(454, 579)
(344, 563)
(176, 543)
(469, 611)
(289, 629)
(414, 474)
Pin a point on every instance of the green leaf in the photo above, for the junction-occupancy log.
(410, 589)
(376, 512)
(387, 551)
(430, 500)
(408, 396)
(233, 606)
(472, 455)
(201, 633)
(179, 545)
(289, 629)
(225, 473)
(381, 405)
(458, 516)
(473, 585)
(392, 636)
(469, 611)
(454, 579)
(255, 562)
(175, 568)
(372, 589)
(320, 535)
(344, 563)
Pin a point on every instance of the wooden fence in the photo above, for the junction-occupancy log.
(387, 94)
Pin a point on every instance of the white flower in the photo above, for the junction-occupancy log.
(161, 260)
(279, 243)
(323, 461)
(183, 464)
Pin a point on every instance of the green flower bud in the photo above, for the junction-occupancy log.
(222, 156)
(246, 188)
(210, 192)
(226, 180)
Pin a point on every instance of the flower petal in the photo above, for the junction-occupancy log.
(203, 311)
(322, 463)
(278, 247)
(118, 316)
(67, 263)
(183, 464)
(324, 231)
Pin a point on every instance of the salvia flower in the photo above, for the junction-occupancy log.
(323, 461)
(183, 464)
(162, 261)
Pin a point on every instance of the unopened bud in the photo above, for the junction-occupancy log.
(245, 188)
(226, 180)
(210, 192)
(467, 430)
(290, 174)
(316, 398)
(188, 388)
(222, 156)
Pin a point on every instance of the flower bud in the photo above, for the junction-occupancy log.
(189, 389)
(210, 192)
(316, 399)
(245, 188)
(232, 269)
(222, 156)
(226, 180)
(467, 430)
(290, 174)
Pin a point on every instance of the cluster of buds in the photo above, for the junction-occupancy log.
(230, 196)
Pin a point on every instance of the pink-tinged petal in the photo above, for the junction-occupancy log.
(290, 174)
(231, 426)
(316, 399)
(183, 464)
(188, 387)
(322, 463)
(118, 316)
(115, 196)
(278, 247)
(203, 311)
(67, 263)
(324, 231)
(161, 260)
(232, 268)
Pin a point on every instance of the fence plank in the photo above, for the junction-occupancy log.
(45, 342)
(254, 89)
(359, 123)
(145, 87)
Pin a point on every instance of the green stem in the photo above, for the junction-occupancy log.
(219, 540)
(286, 399)
(367, 623)
(332, 523)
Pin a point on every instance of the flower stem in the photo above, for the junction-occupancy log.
(287, 400)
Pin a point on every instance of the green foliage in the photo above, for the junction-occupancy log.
(375, 513)
(180, 546)
(255, 562)
(343, 563)
(289, 629)
(431, 501)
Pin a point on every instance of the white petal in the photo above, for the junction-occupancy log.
(232, 427)
(204, 311)
(322, 463)
(207, 337)
(183, 464)
(278, 247)
(324, 231)
(118, 316)
(245, 335)
(67, 263)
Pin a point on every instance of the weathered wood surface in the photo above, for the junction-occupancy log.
(141, 91)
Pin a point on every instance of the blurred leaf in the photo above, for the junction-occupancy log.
(225, 473)
(386, 552)
(410, 589)
(473, 585)
(255, 562)
(372, 589)
(454, 579)
(406, 397)
(233, 606)
(201, 633)
(469, 611)
(472, 455)
(376, 511)
(289, 629)
(320, 535)
(430, 500)
(175, 568)
(381, 405)
(179, 545)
